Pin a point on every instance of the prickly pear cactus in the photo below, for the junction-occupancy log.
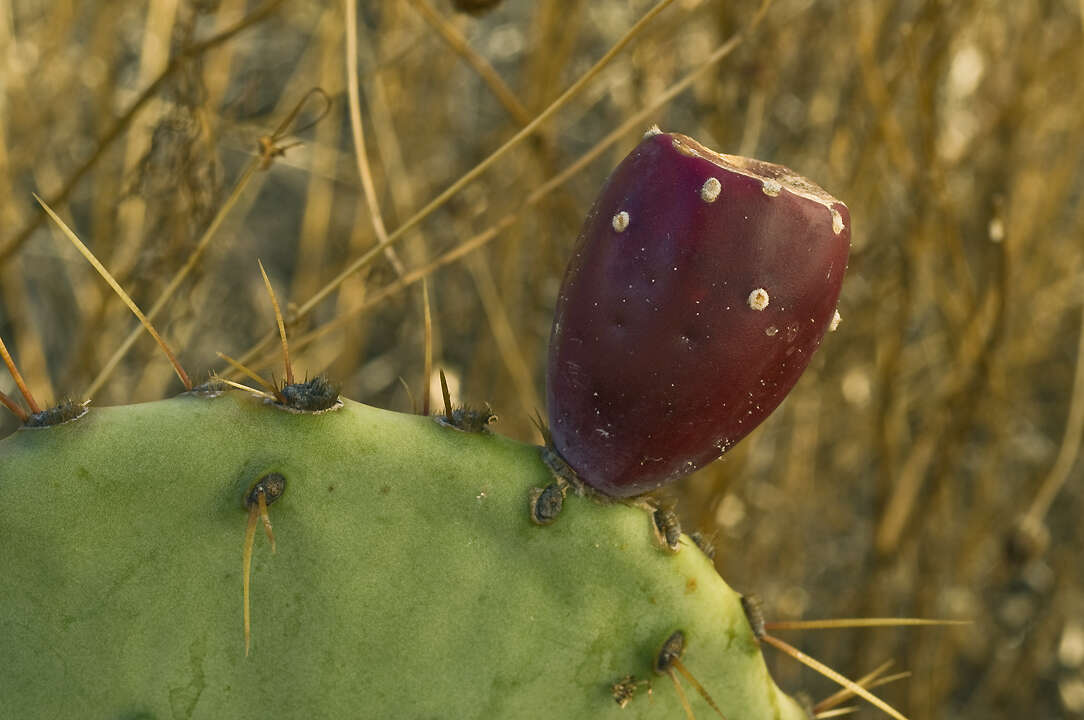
(425, 567)
(409, 581)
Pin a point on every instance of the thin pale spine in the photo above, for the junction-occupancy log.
(108, 277)
(697, 686)
(681, 695)
(13, 407)
(869, 685)
(246, 567)
(281, 324)
(19, 382)
(272, 391)
(867, 681)
(252, 390)
(832, 675)
(261, 503)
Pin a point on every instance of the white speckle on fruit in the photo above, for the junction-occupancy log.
(771, 330)
(710, 190)
(771, 187)
(837, 222)
(836, 320)
(652, 131)
(758, 299)
(621, 221)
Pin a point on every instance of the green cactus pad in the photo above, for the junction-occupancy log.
(409, 581)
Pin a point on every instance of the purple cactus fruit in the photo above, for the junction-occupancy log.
(700, 286)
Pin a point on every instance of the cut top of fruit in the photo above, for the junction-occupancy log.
(700, 286)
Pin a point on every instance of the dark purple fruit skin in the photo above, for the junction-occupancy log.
(657, 362)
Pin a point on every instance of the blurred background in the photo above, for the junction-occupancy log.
(925, 465)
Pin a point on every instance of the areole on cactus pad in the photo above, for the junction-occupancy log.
(700, 286)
